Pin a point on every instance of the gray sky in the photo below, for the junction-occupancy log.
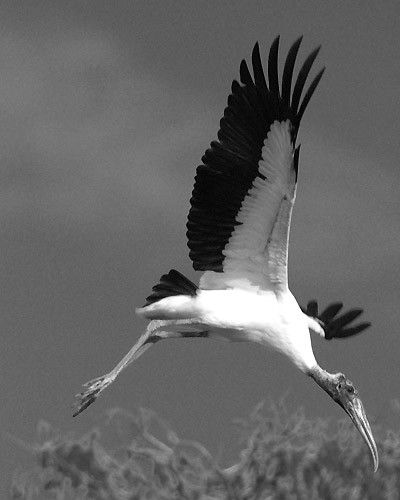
(107, 108)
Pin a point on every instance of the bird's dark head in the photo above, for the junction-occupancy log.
(343, 392)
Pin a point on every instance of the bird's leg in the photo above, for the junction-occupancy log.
(154, 332)
(95, 386)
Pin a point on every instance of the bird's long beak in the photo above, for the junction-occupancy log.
(356, 412)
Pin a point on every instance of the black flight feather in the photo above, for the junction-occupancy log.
(273, 78)
(333, 325)
(309, 94)
(302, 77)
(288, 71)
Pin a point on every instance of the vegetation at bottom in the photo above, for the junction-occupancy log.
(284, 456)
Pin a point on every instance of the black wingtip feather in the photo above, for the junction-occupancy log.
(312, 309)
(302, 77)
(330, 312)
(336, 326)
(259, 76)
(273, 66)
(245, 76)
(309, 94)
(288, 71)
(273, 78)
(260, 81)
(354, 330)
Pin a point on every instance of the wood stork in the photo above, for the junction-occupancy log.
(238, 233)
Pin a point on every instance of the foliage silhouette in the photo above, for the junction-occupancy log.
(285, 456)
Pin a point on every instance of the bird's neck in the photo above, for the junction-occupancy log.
(323, 378)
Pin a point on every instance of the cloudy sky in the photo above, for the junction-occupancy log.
(106, 109)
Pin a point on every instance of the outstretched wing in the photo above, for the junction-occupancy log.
(245, 188)
(333, 324)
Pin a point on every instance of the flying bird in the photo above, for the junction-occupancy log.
(238, 235)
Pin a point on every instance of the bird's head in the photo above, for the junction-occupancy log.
(343, 392)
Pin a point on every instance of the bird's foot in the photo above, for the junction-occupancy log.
(89, 396)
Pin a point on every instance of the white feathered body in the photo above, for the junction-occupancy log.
(237, 315)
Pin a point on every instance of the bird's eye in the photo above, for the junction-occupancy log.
(339, 386)
(350, 389)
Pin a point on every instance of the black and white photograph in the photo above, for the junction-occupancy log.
(200, 249)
